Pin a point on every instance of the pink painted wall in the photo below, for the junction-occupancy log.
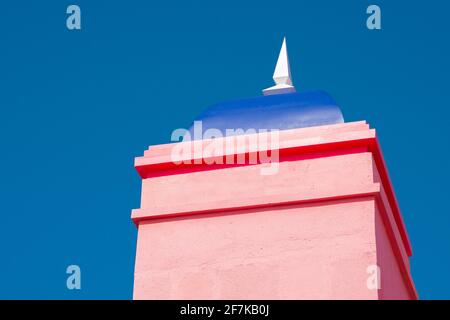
(308, 232)
(290, 252)
(392, 278)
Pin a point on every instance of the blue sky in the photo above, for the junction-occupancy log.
(77, 106)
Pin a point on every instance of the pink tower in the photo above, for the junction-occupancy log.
(315, 217)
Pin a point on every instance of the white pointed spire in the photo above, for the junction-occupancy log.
(282, 74)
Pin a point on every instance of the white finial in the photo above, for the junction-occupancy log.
(281, 75)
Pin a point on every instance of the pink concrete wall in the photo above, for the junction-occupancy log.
(292, 252)
(392, 278)
(307, 179)
(308, 232)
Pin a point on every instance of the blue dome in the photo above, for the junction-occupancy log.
(280, 111)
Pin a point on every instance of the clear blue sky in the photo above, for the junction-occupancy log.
(76, 107)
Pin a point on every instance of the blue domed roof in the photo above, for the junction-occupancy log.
(279, 111)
